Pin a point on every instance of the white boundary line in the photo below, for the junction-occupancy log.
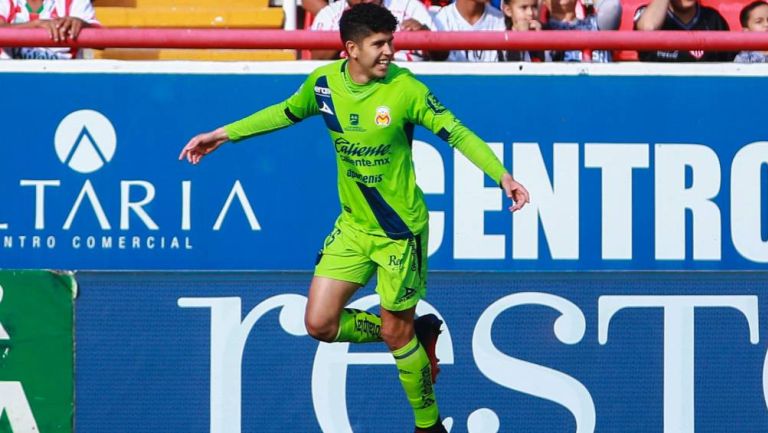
(420, 68)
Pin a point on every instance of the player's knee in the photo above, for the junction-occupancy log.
(321, 329)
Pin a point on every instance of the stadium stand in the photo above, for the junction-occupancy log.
(729, 9)
(190, 14)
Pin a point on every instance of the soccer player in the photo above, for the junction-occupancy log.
(370, 107)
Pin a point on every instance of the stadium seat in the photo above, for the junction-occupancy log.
(190, 14)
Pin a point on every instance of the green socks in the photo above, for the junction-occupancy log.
(416, 377)
(357, 326)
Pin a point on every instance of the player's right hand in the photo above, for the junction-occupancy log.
(203, 144)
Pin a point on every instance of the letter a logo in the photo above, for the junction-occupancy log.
(85, 140)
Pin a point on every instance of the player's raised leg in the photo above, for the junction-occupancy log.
(325, 307)
(342, 267)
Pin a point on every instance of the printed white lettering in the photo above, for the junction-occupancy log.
(3, 333)
(471, 200)
(529, 378)
(678, 344)
(674, 198)
(88, 191)
(239, 192)
(15, 406)
(555, 203)
(228, 337)
(430, 176)
(747, 197)
(39, 198)
(616, 162)
(186, 205)
(127, 205)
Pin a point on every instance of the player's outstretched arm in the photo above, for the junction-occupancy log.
(515, 191)
(203, 144)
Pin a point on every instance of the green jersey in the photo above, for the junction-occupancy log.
(371, 127)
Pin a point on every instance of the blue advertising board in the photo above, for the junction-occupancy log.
(651, 352)
(639, 170)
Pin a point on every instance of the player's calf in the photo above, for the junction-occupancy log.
(427, 329)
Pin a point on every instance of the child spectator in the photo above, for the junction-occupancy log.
(470, 15)
(62, 18)
(754, 18)
(521, 16)
(680, 15)
(563, 16)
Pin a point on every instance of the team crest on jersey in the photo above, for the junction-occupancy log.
(383, 118)
(434, 104)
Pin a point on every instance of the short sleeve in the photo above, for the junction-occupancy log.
(83, 9)
(323, 20)
(419, 12)
(5, 10)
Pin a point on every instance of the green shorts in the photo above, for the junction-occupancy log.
(352, 255)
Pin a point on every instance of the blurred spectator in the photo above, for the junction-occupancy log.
(521, 16)
(314, 6)
(606, 15)
(680, 15)
(62, 19)
(467, 16)
(411, 15)
(754, 18)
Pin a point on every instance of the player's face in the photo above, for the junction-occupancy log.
(374, 54)
(758, 19)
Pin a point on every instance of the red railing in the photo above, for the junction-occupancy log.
(280, 39)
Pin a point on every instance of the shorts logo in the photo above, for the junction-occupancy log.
(383, 118)
(406, 296)
(434, 104)
(85, 141)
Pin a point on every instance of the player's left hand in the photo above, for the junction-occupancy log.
(515, 191)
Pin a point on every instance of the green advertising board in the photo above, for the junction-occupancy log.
(36, 352)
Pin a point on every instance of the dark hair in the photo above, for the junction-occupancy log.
(747, 10)
(364, 19)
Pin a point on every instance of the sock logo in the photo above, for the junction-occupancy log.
(366, 326)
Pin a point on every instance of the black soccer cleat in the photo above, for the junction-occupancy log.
(427, 329)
